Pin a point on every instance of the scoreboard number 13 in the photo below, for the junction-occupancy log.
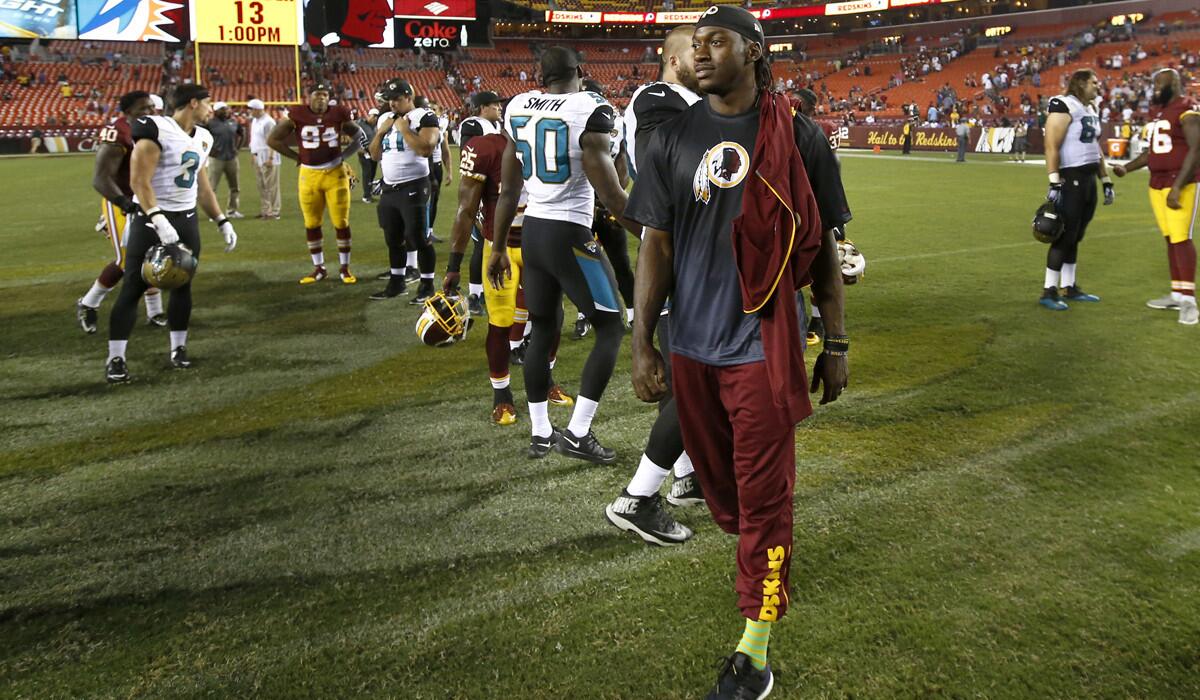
(256, 12)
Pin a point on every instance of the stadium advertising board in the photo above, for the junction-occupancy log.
(855, 7)
(442, 34)
(435, 9)
(349, 23)
(891, 138)
(133, 20)
(262, 22)
(770, 13)
(37, 19)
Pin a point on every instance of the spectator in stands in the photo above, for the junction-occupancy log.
(266, 160)
(228, 135)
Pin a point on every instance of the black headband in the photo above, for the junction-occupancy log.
(734, 19)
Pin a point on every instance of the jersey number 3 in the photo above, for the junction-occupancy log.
(546, 131)
(188, 163)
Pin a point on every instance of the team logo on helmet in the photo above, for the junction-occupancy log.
(724, 165)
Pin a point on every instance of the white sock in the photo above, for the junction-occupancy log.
(528, 330)
(153, 304)
(343, 258)
(1051, 278)
(816, 311)
(539, 418)
(514, 344)
(683, 466)
(95, 295)
(648, 478)
(475, 289)
(426, 275)
(1176, 297)
(178, 339)
(553, 361)
(629, 316)
(398, 271)
(1068, 275)
(318, 259)
(501, 382)
(412, 258)
(116, 348)
(581, 418)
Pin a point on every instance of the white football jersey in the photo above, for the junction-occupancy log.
(180, 164)
(616, 137)
(650, 106)
(478, 125)
(444, 125)
(1081, 145)
(398, 162)
(547, 129)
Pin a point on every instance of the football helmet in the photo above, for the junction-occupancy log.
(853, 263)
(1047, 224)
(169, 266)
(445, 320)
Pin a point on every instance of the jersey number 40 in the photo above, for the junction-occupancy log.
(535, 157)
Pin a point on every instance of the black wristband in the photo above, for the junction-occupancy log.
(455, 263)
(125, 204)
(222, 221)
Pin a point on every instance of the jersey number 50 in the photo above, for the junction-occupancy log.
(311, 136)
(545, 131)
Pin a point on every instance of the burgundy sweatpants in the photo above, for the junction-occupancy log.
(744, 452)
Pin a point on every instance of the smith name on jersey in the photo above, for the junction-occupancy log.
(1081, 146)
(183, 157)
(400, 163)
(547, 130)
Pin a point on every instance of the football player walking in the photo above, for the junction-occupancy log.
(168, 176)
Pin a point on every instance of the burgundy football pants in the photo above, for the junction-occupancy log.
(744, 452)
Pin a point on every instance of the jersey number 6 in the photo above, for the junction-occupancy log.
(545, 131)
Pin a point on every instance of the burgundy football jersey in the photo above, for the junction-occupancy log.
(1168, 146)
(119, 134)
(480, 160)
(319, 135)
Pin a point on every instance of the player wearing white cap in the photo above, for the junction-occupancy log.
(266, 160)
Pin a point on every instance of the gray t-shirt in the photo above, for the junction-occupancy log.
(226, 134)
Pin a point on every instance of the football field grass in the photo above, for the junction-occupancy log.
(1004, 504)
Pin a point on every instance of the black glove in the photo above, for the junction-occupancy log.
(127, 205)
(1109, 193)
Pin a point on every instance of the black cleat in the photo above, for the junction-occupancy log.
(384, 276)
(646, 517)
(586, 448)
(412, 274)
(86, 316)
(516, 356)
(395, 287)
(475, 304)
(739, 680)
(581, 327)
(685, 491)
(540, 446)
(424, 291)
(179, 358)
(116, 372)
(159, 320)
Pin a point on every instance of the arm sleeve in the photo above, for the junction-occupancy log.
(470, 129)
(601, 119)
(650, 202)
(1058, 105)
(428, 119)
(145, 128)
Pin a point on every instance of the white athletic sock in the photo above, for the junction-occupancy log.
(816, 311)
(412, 258)
(475, 289)
(501, 382)
(154, 305)
(178, 339)
(514, 344)
(1051, 278)
(343, 258)
(95, 295)
(629, 316)
(581, 418)
(539, 418)
(1068, 275)
(398, 271)
(116, 348)
(318, 259)
(426, 275)
(528, 330)
(1176, 297)
(648, 478)
(683, 466)
(553, 361)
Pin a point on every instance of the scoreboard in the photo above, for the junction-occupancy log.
(262, 22)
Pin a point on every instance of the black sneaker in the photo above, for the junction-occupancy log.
(516, 356)
(86, 316)
(739, 680)
(159, 320)
(475, 304)
(646, 517)
(1075, 293)
(384, 276)
(685, 491)
(1051, 300)
(179, 358)
(585, 448)
(116, 372)
(412, 274)
(424, 291)
(581, 327)
(540, 446)
(395, 287)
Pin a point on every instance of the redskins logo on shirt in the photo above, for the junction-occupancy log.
(724, 165)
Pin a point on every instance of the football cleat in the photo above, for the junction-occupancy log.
(685, 491)
(368, 200)
(1166, 303)
(86, 316)
(347, 277)
(116, 372)
(1189, 315)
(1052, 301)
(316, 275)
(1074, 293)
(587, 448)
(504, 414)
(516, 356)
(395, 287)
(540, 446)
(558, 397)
(424, 293)
(234, 214)
(739, 680)
(475, 304)
(581, 327)
(444, 321)
(645, 517)
(159, 320)
(412, 274)
(179, 358)
(384, 276)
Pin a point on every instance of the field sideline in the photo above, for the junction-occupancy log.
(1005, 503)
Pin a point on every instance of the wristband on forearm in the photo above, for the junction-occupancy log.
(455, 263)
(1055, 179)
(837, 345)
(153, 212)
(1106, 180)
(124, 203)
(222, 221)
